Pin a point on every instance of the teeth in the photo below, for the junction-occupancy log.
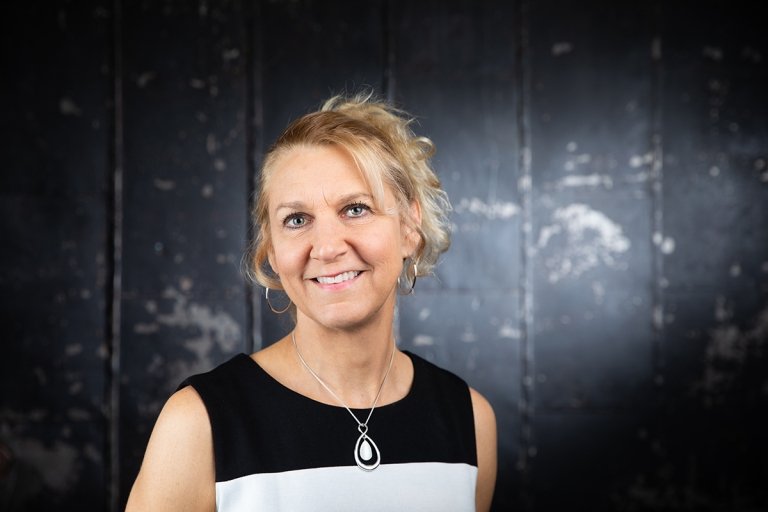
(344, 276)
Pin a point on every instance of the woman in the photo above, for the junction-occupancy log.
(333, 416)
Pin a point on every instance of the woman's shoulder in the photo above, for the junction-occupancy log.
(178, 464)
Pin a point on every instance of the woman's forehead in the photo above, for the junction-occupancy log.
(311, 173)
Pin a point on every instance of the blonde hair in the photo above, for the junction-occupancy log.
(386, 151)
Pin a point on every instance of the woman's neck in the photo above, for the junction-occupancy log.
(351, 362)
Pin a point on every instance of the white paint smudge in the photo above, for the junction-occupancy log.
(73, 349)
(562, 48)
(668, 245)
(589, 180)
(665, 244)
(422, 340)
(729, 349)
(636, 161)
(230, 54)
(211, 144)
(68, 107)
(656, 48)
(164, 185)
(723, 309)
(524, 183)
(210, 330)
(145, 78)
(589, 239)
(507, 330)
(598, 290)
(574, 161)
(492, 210)
(56, 462)
(712, 52)
(468, 336)
(424, 314)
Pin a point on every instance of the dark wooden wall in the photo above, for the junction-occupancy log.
(607, 288)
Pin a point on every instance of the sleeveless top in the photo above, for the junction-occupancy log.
(276, 449)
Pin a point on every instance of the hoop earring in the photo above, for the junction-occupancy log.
(279, 312)
(415, 275)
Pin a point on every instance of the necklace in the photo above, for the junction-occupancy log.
(367, 455)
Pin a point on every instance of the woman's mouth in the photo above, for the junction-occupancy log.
(339, 278)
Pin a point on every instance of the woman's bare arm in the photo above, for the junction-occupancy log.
(485, 436)
(178, 469)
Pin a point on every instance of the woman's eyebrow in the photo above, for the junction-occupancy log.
(347, 198)
(292, 205)
(356, 196)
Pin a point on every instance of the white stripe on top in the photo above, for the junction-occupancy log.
(418, 486)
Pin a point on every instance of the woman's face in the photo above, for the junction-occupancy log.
(337, 254)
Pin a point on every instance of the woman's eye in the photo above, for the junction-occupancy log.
(294, 221)
(357, 210)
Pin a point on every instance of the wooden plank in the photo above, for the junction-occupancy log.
(54, 224)
(591, 146)
(713, 244)
(185, 195)
(454, 65)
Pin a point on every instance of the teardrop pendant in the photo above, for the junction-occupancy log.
(367, 455)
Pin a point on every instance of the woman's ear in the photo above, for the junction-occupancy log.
(271, 260)
(412, 234)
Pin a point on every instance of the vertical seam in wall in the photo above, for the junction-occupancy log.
(657, 197)
(115, 260)
(526, 399)
(388, 29)
(254, 133)
(388, 89)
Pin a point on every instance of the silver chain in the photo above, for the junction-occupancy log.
(363, 427)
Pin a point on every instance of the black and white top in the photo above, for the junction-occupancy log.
(276, 449)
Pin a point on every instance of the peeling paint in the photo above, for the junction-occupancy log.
(728, 350)
(211, 144)
(589, 237)
(665, 244)
(145, 78)
(574, 161)
(492, 210)
(713, 52)
(67, 107)
(508, 330)
(422, 340)
(590, 180)
(164, 185)
(230, 54)
(56, 462)
(636, 161)
(214, 330)
(562, 48)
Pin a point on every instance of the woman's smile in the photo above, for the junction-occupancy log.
(344, 277)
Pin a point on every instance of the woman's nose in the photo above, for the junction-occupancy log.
(328, 241)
